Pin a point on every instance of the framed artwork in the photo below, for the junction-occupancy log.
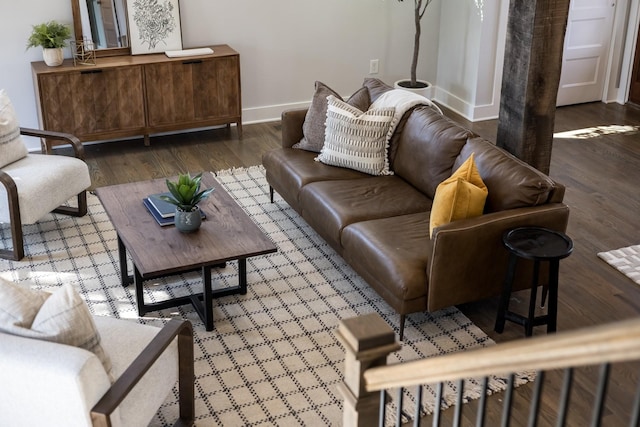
(154, 26)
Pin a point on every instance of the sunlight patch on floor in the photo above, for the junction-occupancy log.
(597, 131)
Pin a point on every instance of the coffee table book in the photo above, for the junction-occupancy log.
(164, 209)
(157, 215)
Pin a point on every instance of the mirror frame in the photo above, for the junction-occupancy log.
(77, 32)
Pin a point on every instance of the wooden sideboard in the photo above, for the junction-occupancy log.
(123, 96)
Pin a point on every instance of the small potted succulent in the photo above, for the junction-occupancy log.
(52, 36)
(185, 195)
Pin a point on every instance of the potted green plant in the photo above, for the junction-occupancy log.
(185, 195)
(421, 86)
(52, 36)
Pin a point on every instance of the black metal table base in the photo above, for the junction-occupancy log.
(201, 302)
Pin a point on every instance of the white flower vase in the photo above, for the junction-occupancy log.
(53, 56)
(424, 91)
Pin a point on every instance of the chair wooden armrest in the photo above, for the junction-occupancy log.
(100, 413)
(47, 135)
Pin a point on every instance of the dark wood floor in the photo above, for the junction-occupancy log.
(596, 154)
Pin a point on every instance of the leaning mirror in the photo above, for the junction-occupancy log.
(104, 23)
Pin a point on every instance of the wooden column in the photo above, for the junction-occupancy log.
(368, 340)
(531, 75)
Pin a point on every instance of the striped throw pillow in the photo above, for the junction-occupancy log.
(355, 139)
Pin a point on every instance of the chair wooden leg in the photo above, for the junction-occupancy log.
(403, 318)
(186, 379)
(81, 210)
(271, 193)
(17, 253)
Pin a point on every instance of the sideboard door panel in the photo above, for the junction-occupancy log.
(93, 102)
(193, 91)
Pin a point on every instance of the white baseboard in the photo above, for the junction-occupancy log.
(473, 113)
(269, 113)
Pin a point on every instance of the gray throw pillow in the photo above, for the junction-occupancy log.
(376, 87)
(313, 129)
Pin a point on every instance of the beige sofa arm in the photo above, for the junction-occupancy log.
(471, 251)
(292, 121)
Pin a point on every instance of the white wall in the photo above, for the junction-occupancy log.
(471, 55)
(284, 46)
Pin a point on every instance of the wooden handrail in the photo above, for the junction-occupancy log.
(615, 342)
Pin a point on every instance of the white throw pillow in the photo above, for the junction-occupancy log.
(61, 316)
(11, 146)
(355, 139)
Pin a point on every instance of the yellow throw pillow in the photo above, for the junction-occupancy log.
(460, 196)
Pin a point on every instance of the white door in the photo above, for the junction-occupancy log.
(586, 51)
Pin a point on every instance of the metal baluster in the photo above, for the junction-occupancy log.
(458, 410)
(399, 403)
(383, 408)
(506, 410)
(436, 406)
(564, 397)
(535, 403)
(482, 405)
(418, 414)
(601, 394)
(635, 416)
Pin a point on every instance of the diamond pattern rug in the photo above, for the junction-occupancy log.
(625, 260)
(272, 358)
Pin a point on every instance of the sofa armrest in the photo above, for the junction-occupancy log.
(181, 329)
(47, 136)
(468, 260)
(292, 121)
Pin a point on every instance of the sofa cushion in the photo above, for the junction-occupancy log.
(11, 146)
(329, 206)
(458, 197)
(426, 149)
(392, 255)
(61, 317)
(313, 128)
(355, 139)
(511, 182)
(288, 170)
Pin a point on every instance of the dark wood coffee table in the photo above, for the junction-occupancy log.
(226, 234)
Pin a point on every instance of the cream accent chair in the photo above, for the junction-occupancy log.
(38, 184)
(43, 383)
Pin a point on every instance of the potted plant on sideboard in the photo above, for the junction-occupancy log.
(420, 86)
(52, 36)
(185, 195)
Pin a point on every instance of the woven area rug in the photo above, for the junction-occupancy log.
(273, 358)
(625, 260)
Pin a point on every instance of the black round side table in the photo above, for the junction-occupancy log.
(536, 244)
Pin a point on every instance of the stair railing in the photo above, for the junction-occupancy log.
(368, 340)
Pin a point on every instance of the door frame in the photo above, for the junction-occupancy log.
(628, 53)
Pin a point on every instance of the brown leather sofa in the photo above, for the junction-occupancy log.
(380, 224)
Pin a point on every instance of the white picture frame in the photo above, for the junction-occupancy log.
(154, 26)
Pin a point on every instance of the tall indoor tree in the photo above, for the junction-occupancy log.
(420, 7)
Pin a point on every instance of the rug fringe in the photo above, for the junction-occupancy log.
(239, 170)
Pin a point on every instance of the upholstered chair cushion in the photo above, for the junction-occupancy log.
(458, 197)
(43, 180)
(313, 128)
(357, 140)
(11, 146)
